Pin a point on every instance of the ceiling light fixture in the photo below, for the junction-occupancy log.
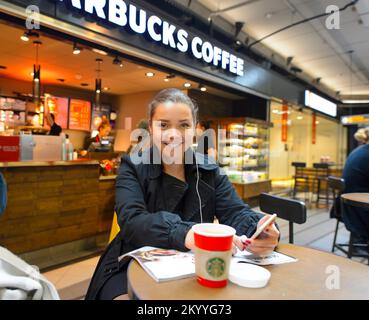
(118, 62)
(187, 85)
(36, 86)
(29, 34)
(76, 49)
(150, 74)
(202, 88)
(352, 101)
(289, 60)
(98, 84)
(101, 52)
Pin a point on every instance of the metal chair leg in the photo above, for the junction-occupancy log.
(318, 193)
(335, 235)
(350, 248)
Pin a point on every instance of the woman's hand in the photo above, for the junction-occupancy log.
(190, 242)
(266, 242)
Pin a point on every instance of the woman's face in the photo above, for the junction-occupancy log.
(172, 129)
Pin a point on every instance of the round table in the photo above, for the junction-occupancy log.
(308, 278)
(356, 199)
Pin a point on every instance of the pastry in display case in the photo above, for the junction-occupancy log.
(243, 149)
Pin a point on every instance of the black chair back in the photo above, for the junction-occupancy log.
(321, 169)
(299, 164)
(337, 185)
(321, 165)
(293, 211)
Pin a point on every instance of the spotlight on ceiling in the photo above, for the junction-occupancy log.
(118, 62)
(296, 70)
(76, 49)
(238, 27)
(289, 60)
(169, 77)
(101, 52)
(317, 80)
(187, 85)
(29, 34)
(150, 74)
(202, 88)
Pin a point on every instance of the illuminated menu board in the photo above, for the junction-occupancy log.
(79, 115)
(59, 107)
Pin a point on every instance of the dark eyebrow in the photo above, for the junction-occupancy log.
(185, 120)
(162, 120)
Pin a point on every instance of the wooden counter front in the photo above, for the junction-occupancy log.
(52, 203)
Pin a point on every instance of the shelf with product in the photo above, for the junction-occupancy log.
(243, 153)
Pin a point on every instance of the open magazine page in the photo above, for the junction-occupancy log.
(164, 264)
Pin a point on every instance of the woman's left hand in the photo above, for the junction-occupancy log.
(266, 242)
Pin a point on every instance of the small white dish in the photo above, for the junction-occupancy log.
(248, 275)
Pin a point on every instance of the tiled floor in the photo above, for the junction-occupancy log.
(72, 281)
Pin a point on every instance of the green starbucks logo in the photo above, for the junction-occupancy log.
(215, 267)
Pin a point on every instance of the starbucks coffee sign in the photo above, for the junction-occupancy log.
(134, 19)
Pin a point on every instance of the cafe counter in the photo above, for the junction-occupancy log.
(55, 202)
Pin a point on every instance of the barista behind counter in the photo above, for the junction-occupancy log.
(101, 142)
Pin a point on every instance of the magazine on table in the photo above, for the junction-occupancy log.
(271, 259)
(166, 264)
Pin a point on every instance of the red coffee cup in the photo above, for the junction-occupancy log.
(213, 252)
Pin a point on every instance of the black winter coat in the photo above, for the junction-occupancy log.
(145, 220)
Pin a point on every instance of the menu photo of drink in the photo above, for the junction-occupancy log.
(79, 115)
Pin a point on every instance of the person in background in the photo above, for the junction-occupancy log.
(55, 129)
(361, 136)
(205, 140)
(103, 131)
(356, 176)
(144, 125)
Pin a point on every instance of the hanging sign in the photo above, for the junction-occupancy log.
(119, 13)
(313, 133)
(284, 123)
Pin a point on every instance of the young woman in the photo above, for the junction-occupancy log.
(157, 202)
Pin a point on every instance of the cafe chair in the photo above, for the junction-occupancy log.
(321, 178)
(293, 211)
(300, 179)
(337, 186)
(114, 228)
(351, 249)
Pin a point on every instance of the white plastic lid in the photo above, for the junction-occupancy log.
(248, 275)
